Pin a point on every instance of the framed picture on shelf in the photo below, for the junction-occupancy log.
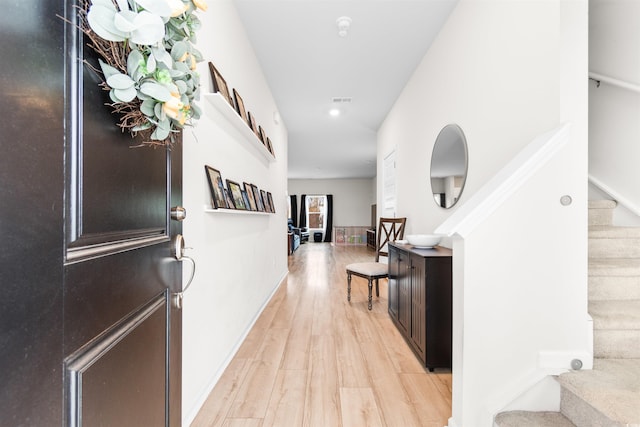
(256, 195)
(271, 205)
(253, 124)
(265, 201)
(270, 147)
(220, 84)
(240, 107)
(216, 186)
(245, 199)
(236, 194)
(227, 195)
(252, 200)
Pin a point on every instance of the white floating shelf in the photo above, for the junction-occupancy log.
(207, 209)
(248, 138)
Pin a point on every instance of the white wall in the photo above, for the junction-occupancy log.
(241, 259)
(352, 198)
(505, 71)
(614, 128)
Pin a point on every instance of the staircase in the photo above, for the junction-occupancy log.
(608, 395)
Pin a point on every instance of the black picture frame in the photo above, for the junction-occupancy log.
(220, 84)
(271, 205)
(252, 124)
(259, 202)
(251, 196)
(265, 201)
(240, 108)
(235, 191)
(245, 198)
(227, 195)
(216, 186)
(270, 147)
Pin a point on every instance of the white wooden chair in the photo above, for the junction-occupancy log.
(389, 230)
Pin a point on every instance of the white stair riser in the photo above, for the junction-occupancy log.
(614, 288)
(614, 248)
(616, 344)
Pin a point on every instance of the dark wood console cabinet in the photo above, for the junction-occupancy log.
(420, 301)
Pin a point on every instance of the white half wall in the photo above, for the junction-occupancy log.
(241, 258)
(352, 198)
(505, 72)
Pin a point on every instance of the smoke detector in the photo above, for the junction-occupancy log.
(343, 23)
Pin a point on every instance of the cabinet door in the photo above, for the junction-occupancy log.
(404, 287)
(438, 312)
(418, 333)
(394, 258)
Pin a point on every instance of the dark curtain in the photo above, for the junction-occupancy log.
(329, 230)
(294, 209)
(303, 211)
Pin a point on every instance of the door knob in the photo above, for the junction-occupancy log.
(178, 213)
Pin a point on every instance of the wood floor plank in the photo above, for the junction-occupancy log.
(426, 398)
(219, 401)
(243, 422)
(322, 400)
(286, 407)
(396, 406)
(314, 359)
(359, 408)
(296, 352)
(252, 399)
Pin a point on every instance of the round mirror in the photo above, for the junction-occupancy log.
(448, 166)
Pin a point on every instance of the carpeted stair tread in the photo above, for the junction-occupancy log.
(532, 419)
(614, 287)
(613, 232)
(614, 267)
(612, 388)
(615, 314)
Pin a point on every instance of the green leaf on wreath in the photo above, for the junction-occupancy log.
(107, 69)
(126, 95)
(155, 90)
(147, 107)
(120, 81)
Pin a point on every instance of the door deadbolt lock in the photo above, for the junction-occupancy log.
(178, 213)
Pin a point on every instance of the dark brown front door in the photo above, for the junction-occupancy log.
(122, 333)
(88, 334)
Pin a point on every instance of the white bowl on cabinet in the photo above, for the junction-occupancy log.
(424, 240)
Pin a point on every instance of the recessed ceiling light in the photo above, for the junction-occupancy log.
(334, 112)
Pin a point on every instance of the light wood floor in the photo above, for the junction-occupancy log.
(313, 359)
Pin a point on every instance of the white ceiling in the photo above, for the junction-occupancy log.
(307, 64)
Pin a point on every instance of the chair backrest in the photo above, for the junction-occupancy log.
(389, 230)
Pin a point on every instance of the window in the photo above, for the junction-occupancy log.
(316, 212)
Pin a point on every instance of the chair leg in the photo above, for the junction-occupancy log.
(349, 287)
(370, 288)
(377, 289)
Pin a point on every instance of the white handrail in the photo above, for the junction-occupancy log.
(612, 81)
(505, 182)
(624, 202)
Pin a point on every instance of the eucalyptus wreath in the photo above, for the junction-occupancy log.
(148, 62)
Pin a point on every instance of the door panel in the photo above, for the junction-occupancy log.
(418, 309)
(134, 350)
